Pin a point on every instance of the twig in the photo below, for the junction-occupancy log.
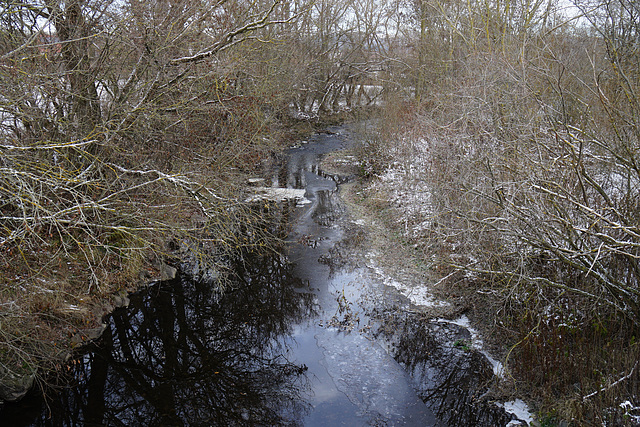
(229, 37)
(626, 377)
(71, 144)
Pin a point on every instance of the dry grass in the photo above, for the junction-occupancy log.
(484, 177)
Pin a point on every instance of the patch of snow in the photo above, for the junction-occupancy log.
(276, 194)
(255, 181)
(371, 254)
(347, 160)
(463, 321)
(408, 192)
(301, 115)
(519, 409)
(418, 295)
(477, 344)
(627, 406)
(498, 367)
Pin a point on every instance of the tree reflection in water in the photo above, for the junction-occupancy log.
(182, 355)
(452, 378)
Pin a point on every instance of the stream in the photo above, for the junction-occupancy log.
(306, 338)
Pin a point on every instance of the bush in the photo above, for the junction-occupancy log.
(522, 172)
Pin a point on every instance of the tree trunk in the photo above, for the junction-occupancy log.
(74, 34)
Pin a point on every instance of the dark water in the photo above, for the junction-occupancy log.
(291, 343)
(182, 355)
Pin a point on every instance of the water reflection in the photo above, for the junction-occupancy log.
(183, 355)
(329, 207)
(452, 378)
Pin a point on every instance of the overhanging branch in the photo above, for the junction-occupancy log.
(230, 37)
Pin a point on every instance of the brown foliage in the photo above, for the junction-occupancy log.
(523, 149)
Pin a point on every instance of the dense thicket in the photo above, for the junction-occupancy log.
(119, 143)
(127, 129)
(517, 165)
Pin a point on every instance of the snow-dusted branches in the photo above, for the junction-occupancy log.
(237, 35)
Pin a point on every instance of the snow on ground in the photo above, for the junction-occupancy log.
(627, 406)
(278, 195)
(408, 193)
(418, 295)
(519, 409)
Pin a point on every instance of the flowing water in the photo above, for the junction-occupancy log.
(299, 339)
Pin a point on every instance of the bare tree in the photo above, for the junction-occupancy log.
(123, 142)
(521, 163)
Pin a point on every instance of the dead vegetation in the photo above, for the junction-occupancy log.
(121, 152)
(508, 152)
(517, 166)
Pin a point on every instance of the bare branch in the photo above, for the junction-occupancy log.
(228, 39)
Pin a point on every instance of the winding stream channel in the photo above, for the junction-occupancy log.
(303, 339)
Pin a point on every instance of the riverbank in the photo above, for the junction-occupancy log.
(386, 248)
(464, 335)
(68, 271)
